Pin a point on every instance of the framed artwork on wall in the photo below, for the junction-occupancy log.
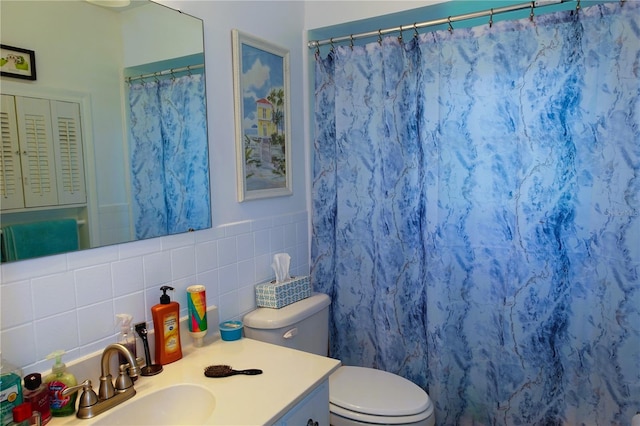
(17, 62)
(263, 131)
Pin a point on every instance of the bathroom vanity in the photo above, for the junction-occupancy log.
(293, 389)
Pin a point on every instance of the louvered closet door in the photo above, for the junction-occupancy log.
(11, 195)
(67, 139)
(36, 144)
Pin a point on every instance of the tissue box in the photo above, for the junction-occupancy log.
(272, 295)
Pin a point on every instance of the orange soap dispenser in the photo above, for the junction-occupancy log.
(166, 326)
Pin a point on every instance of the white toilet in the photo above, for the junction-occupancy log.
(357, 395)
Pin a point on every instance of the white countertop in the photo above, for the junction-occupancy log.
(288, 376)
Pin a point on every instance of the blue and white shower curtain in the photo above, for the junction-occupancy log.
(476, 215)
(169, 156)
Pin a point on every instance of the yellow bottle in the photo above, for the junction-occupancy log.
(58, 381)
(166, 326)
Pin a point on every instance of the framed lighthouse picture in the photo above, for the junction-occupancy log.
(262, 118)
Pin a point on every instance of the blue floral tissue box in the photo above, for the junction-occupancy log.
(272, 295)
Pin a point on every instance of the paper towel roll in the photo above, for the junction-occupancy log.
(635, 420)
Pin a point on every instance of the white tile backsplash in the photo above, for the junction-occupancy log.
(69, 301)
(227, 251)
(246, 273)
(261, 242)
(96, 322)
(53, 333)
(183, 262)
(245, 246)
(157, 268)
(14, 314)
(26, 350)
(277, 239)
(290, 234)
(227, 280)
(52, 294)
(93, 284)
(132, 304)
(127, 276)
(206, 256)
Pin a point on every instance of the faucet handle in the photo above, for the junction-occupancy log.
(140, 362)
(88, 396)
(123, 381)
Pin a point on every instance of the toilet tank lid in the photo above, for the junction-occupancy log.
(270, 318)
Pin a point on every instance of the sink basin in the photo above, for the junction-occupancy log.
(182, 404)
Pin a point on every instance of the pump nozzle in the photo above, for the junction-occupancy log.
(165, 299)
(124, 321)
(58, 366)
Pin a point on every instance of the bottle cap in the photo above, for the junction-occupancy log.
(22, 412)
(32, 381)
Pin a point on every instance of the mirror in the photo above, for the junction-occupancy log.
(120, 66)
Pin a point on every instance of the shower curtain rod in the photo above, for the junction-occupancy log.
(163, 73)
(315, 44)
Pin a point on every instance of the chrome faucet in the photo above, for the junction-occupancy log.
(109, 394)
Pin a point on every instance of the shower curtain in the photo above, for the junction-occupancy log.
(169, 156)
(476, 215)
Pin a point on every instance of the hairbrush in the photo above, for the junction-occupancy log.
(226, 371)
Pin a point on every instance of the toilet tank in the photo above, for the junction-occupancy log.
(303, 325)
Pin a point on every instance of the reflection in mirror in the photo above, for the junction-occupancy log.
(112, 135)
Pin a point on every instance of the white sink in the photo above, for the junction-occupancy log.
(182, 404)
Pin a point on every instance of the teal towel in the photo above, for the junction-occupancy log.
(27, 240)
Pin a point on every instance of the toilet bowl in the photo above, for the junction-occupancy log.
(357, 395)
(365, 396)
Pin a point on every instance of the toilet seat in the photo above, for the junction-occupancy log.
(375, 396)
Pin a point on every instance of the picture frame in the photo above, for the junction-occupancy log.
(17, 62)
(262, 117)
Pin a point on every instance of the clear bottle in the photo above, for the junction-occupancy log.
(10, 390)
(38, 395)
(56, 383)
(127, 337)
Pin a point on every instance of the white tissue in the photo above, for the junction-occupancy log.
(280, 266)
(635, 420)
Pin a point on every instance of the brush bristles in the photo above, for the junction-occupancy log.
(217, 370)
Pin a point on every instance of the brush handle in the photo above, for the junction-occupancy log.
(249, 372)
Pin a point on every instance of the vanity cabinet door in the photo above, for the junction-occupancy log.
(67, 143)
(311, 411)
(11, 194)
(42, 161)
(36, 148)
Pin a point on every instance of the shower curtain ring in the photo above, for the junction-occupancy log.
(531, 15)
(450, 26)
(331, 43)
(491, 18)
(351, 41)
(415, 31)
(400, 36)
(380, 37)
